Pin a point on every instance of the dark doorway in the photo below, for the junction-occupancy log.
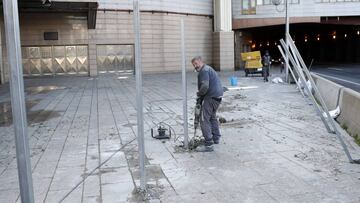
(323, 43)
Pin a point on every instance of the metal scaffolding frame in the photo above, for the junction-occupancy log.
(292, 73)
(299, 72)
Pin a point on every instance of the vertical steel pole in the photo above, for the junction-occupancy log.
(287, 27)
(11, 18)
(139, 95)
(184, 81)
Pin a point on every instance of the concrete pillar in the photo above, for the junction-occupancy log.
(243, 41)
(223, 36)
(237, 50)
(2, 46)
(92, 53)
(4, 67)
(223, 51)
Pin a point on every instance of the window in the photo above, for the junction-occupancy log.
(333, 1)
(248, 7)
(269, 2)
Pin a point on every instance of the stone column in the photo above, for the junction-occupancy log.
(92, 53)
(223, 36)
(4, 68)
(2, 73)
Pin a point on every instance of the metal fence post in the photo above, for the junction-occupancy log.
(184, 82)
(287, 28)
(139, 96)
(11, 18)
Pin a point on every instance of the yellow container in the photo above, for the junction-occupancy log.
(252, 59)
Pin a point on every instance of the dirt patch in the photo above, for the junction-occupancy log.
(41, 116)
(239, 96)
(153, 192)
(236, 102)
(239, 123)
(225, 108)
(100, 172)
(298, 118)
(154, 177)
(292, 106)
(324, 161)
(42, 89)
(132, 156)
(130, 125)
(153, 173)
(5, 112)
(32, 116)
(301, 156)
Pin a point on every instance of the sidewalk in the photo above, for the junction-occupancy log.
(82, 134)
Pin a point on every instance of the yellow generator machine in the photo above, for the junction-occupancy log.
(253, 63)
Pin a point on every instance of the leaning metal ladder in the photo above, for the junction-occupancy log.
(292, 73)
(302, 78)
(302, 70)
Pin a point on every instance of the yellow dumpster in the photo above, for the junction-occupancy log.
(253, 63)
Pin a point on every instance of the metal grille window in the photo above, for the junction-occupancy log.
(55, 60)
(115, 58)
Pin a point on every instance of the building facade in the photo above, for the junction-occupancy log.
(325, 31)
(89, 37)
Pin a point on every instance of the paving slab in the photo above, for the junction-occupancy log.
(274, 147)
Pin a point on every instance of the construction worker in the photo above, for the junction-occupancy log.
(210, 91)
(266, 61)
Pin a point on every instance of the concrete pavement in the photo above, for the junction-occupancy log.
(82, 134)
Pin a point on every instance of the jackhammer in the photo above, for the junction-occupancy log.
(197, 113)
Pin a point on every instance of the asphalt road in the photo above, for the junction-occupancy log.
(345, 75)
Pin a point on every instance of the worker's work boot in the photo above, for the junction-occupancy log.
(204, 148)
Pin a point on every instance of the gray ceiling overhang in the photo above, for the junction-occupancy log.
(48, 6)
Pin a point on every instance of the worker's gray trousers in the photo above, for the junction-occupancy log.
(209, 123)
